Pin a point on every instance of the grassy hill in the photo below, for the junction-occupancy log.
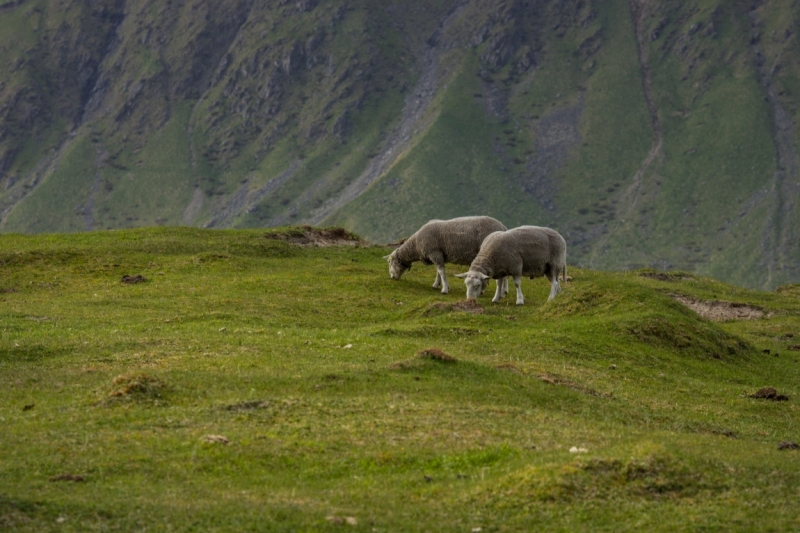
(252, 383)
(658, 135)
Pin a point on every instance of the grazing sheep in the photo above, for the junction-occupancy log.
(523, 251)
(444, 241)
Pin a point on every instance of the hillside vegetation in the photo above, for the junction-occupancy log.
(651, 134)
(185, 379)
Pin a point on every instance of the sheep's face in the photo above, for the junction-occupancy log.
(476, 283)
(396, 268)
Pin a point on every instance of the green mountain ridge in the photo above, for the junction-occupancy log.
(649, 134)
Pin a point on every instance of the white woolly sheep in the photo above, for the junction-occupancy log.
(523, 251)
(444, 241)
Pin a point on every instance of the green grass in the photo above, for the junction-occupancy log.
(305, 360)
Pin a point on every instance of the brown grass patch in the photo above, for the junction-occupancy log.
(435, 354)
(465, 306)
(321, 237)
(137, 387)
(665, 276)
(468, 306)
(508, 366)
(555, 379)
(67, 477)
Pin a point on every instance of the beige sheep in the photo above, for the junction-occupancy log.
(444, 241)
(524, 251)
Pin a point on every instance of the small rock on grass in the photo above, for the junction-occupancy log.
(576, 449)
(349, 520)
(769, 393)
(216, 439)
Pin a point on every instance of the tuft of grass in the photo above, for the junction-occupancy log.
(139, 387)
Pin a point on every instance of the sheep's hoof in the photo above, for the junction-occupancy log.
(520, 302)
(445, 291)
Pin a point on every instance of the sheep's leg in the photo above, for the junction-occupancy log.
(502, 289)
(440, 275)
(518, 284)
(437, 282)
(555, 288)
(498, 293)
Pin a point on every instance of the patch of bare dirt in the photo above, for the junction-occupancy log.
(719, 311)
(133, 279)
(788, 445)
(349, 520)
(216, 439)
(435, 354)
(769, 393)
(67, 477)
(321, 237)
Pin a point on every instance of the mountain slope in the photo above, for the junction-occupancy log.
(650, 134)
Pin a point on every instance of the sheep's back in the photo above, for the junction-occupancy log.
(458, 239)
(535, 246)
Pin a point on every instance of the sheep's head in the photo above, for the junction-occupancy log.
(396, 267)
(476, 282)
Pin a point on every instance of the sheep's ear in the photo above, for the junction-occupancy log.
(462, 276)
(483, 276)
(388, 257)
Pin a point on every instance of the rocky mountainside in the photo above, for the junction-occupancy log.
(649, 133)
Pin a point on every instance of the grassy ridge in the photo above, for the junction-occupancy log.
(304, 360)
